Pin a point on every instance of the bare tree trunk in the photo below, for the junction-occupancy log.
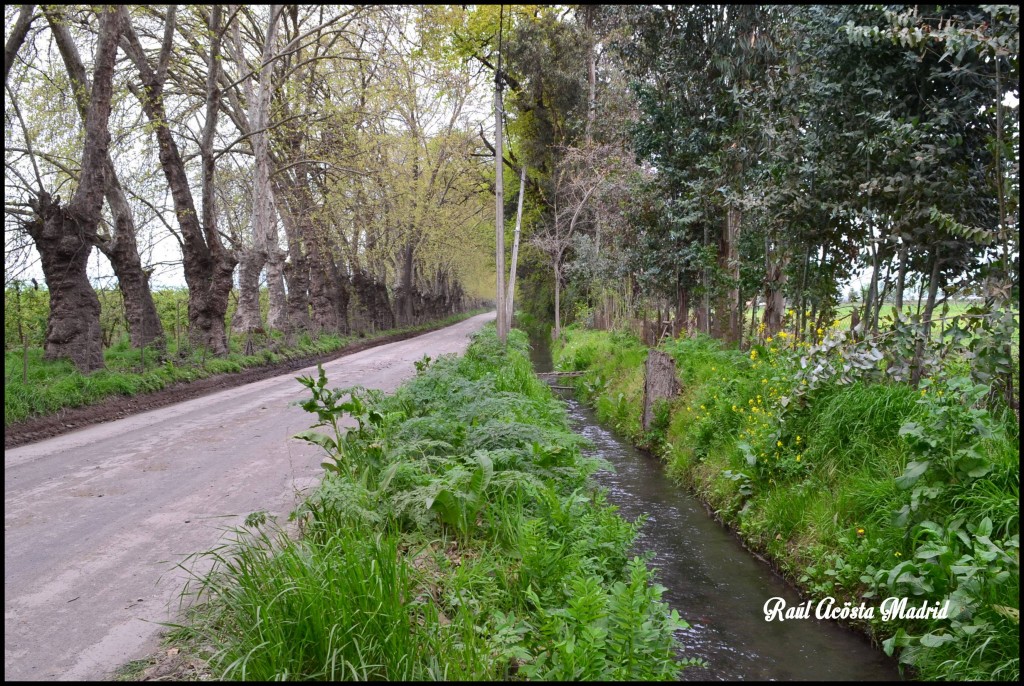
(208, 265)
(870, 301)
(558, 300)
(753, 316)
(933, 288)
(407, 289)
(515, 252)
(64, 235)
(265, 249)
(775, 279)
(296, 274)
(325, 316)
(247, 313)
(339, 288)
(701, 315)
(277, 315)
(728, 324)
(901, 279)
(144, 325)
(64, 245)
(682, 310)
(121, 249)
(802, 302)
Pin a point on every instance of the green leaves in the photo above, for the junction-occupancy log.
(913, 472)
(326, 442)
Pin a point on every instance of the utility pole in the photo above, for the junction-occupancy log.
(499, 201)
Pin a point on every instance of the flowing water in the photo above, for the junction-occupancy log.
(719, 588)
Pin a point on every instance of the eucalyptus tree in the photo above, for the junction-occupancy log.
(924, 121)
(675, 57)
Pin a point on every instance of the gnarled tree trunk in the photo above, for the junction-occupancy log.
(208, 265)
(121, 249)
(64, 240)
(144, 325)
(64, 236)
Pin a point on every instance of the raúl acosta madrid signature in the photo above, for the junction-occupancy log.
(776, 609)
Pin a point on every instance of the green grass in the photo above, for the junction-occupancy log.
(56, 385)
(455, 536)
(817, 486)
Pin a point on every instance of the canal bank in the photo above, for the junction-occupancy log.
(719, 587)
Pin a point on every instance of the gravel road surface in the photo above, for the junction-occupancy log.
(96, 521)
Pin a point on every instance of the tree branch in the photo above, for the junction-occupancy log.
(21, 28)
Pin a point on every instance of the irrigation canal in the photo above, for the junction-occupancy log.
(719, 588)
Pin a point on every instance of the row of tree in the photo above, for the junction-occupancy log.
(318, 150)
(714, 160)
(711, 161)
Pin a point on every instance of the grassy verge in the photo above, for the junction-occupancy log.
(56, 385)
(860, 491)
(455, 536)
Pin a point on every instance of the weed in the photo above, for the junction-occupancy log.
(455, 536)
(860, 487)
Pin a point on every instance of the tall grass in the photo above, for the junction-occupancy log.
(456, 536)
(822, 488)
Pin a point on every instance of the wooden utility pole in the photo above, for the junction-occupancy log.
(499, 204)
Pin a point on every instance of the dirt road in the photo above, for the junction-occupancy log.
(96, 521)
